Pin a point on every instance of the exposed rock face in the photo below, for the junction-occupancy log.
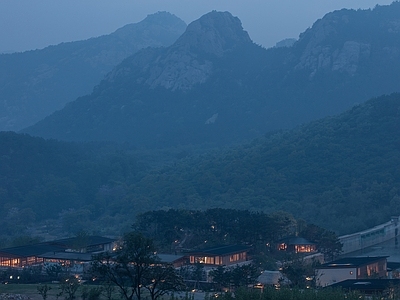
(350, 56)
(321, 53)
(182, 71)
(184, 66)
(188, 61)
(345, 59)
(214, 33)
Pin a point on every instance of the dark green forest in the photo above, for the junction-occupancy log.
(176, 231)
(42, 180)
(340, 173)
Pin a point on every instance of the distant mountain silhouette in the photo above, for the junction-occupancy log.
(34, 84)
(215, 86)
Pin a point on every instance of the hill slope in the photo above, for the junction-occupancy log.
(213, 85)
(71, 184)
(340, 172)
(34, 84)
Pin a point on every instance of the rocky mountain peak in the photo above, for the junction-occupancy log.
(346, 39)
(161, 24)
(214, 33)
(188, 61)
(332, 44)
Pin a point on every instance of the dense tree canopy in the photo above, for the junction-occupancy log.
(339, 173)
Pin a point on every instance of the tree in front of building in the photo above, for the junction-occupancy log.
(69, 286)
(161, 280)
(43, 289)
(234, 277)
(135, 267)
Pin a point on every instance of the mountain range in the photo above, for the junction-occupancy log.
(215, 86)
(34, 84)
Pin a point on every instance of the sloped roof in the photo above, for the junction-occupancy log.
(352, 262)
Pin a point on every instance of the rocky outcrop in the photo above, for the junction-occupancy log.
(345, 59)
(214, 33)
(350, 56)
(189, 61)
(325, 48)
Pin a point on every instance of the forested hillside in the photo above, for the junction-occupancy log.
(42, 180)
(340, 172)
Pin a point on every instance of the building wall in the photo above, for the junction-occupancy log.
(219, 260)
(363, 239)
(330, 276)
(374, 270)
(234, 258)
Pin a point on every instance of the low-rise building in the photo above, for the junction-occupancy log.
(368, 286)
(351, 268)
(297, 245)
(64, 251)
(220, 256)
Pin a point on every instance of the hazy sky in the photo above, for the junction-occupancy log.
(32, 24)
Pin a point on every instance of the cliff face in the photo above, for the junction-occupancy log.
(213, 85)
(189, 61)
(345, 40)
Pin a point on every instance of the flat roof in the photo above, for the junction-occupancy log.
(296, 241)
(29, 250)
(51, 246)
(169, 258)
(67, 256)
(366, 285)
(221, 250)
(352, 262)
(88, 241)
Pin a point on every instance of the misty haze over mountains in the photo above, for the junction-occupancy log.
(136, 137)
(214, 85)
(34, 84)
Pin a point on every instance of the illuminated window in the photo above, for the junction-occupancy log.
(282, 246)
(234, 257)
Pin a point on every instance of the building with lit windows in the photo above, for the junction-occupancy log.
(220, 256)
(351, 268)
(296, 245)
(68, 251)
